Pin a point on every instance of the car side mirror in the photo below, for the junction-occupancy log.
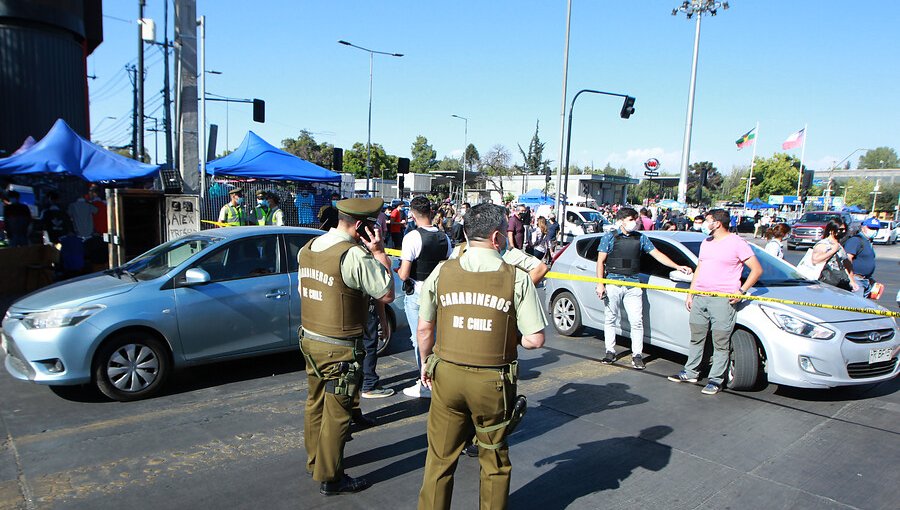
(196, 276)
(677, 276)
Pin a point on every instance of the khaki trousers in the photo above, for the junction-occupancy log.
(326, 420)
(461, 398)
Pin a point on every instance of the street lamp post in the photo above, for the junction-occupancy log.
(692, 8)
(465, 146)
(627, 110)
(831, 178)
(369, 135)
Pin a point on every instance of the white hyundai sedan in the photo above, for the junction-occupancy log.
(786, 344)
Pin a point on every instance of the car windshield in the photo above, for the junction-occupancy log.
(593, 216)
(818, 217)
(776, 272)
(165, 257)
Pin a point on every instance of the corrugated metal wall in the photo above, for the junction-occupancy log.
(43, 48)
(41, 79)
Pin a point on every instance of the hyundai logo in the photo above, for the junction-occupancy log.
(874, 336)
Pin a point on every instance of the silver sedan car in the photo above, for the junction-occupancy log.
(783, 344)
(216, 295)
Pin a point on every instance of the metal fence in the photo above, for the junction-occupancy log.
(299, 201)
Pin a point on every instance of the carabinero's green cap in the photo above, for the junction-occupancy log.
(361, 208)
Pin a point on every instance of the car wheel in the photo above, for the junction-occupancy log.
(384, 338)
(745, 361)
(566, 314)
(131, 366)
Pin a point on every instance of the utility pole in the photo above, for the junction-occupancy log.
(140, 84)
(134, 111)
(167, 102)
(187, 127)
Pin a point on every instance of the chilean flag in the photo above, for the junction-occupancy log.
(794, 141)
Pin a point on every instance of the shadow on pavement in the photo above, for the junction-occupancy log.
(574, 400)
(527, 366)
(593, 467)
(840, 393)
(417, 445)
(401, 410)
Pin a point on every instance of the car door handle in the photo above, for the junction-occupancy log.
(582, 267)
(275, 294)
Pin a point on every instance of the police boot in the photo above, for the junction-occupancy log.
(345, 485)
(471, 450)
(361, 420)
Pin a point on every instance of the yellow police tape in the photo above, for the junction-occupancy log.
(749, 297)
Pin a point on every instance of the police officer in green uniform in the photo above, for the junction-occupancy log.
(477, 305)
(262, 213)
(337, 277)
(232, 213)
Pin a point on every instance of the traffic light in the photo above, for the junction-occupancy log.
(704, 174)
(259, 110)
(627, 107)
(337, 159)
(403, 165)
(400, 185)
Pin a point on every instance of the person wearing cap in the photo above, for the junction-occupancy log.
(338, 272)
(261, 212)
(475, 306)
(232, 214)
(276, 215)
(862, 255)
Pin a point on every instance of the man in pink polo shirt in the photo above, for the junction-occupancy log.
(723, 256)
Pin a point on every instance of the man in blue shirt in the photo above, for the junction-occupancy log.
(862, 255)
(619, 258)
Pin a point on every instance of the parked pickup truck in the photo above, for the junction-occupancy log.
(810, 227)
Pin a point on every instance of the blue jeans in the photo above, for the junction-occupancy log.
(370, 345)
(865, 285)
(411, 306)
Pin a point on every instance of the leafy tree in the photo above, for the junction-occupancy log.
(306, 147)
(734, 185)
(534, 162)
(714, 181)
(424, 157)
(448, 164)
(882, 157)
(776, 175)
(495, 167)
(472, 158)
(609, 170)
(384, 166)
(858, 192)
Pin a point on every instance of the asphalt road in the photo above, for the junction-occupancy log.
(595, 436)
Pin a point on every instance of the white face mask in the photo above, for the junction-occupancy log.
(629, 225)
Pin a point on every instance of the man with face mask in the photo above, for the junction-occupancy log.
(862, 255)
(338, 271)
(723, 256)
(477, 304)
(232, 213)
(516, 228)
(261, 212)
(619, 258)
(328, 213)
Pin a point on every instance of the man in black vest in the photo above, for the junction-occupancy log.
(422, 250)
(619, 258)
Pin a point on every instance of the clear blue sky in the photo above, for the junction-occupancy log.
(783, 63)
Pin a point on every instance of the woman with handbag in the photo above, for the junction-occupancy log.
(826, 261)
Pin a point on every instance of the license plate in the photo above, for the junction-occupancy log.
(878, 355)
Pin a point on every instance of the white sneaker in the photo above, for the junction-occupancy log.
(414, 390)
(417, 391)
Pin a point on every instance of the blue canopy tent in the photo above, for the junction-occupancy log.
(757, 204)
(854, 209)
(63, 152)
(536, 197)
(257, 159)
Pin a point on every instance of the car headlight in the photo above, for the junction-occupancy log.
(60, 318)
(797, 326)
